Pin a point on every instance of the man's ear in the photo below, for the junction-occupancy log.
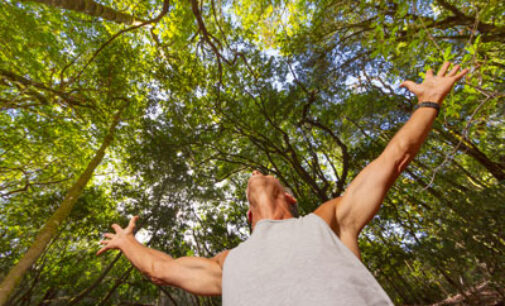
(249, 216)
(291, 199)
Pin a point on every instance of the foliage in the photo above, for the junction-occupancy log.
(305, 90)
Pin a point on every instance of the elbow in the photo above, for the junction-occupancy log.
(155, 272)
(165, 272)
(398, 155)
(402, 147)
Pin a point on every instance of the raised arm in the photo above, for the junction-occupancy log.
(363, 197)
(201, 276)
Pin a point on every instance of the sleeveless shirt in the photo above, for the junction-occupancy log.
(297, 261)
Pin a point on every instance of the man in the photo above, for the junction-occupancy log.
(312, 260)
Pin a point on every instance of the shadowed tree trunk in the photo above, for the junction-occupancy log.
(86, 291)
(92, 8)
(467, 147)
(118, 283)
(51, 227)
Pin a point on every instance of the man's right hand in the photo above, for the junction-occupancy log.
(117, 240)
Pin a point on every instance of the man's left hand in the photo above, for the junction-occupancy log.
(435, 87)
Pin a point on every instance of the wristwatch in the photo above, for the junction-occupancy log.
(428, 104)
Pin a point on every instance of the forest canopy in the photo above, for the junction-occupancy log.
(162, 109)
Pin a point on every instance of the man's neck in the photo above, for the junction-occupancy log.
(271, 209)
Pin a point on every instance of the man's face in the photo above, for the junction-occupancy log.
(265, 187)
(260, 185)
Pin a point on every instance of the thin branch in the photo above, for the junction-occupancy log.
(464, 133)
(164, 11)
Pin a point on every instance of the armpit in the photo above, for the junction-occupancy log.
(220, 257)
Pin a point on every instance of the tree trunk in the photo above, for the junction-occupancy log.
(92, 8)
(167, 293)
(118, 283)
(51, 227)
(469, 148)
(86, 291)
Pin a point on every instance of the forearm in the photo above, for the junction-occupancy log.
(363, 197)
(142, 257)
(408, 140)
(194, 274)
(197, 275)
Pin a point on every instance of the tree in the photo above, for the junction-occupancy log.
(304, 90)
(93, 8)
(51, 227)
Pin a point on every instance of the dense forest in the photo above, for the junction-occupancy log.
(162, 109)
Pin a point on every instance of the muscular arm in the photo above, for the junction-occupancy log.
(201, 276)
(363, 197)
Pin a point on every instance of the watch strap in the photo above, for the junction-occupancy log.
(428, 104)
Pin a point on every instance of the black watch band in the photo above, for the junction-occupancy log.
(428, 104)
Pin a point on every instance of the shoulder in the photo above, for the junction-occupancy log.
(327, 212)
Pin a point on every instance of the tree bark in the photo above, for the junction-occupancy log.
(118, 283)
(92, 8)
(86, 291)
(51, 227)
(469, 148)
(165, 291)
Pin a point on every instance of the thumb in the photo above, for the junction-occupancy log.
(411, 86)
(131, 225)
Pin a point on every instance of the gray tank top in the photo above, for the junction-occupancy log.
(297, 262)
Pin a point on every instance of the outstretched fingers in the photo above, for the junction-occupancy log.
(454, 70)
(116, 228)
(429, 73)
(102, 250)
(113, 240)
(133, 220)
(443, 69)
(411, 86)
(461, 74)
